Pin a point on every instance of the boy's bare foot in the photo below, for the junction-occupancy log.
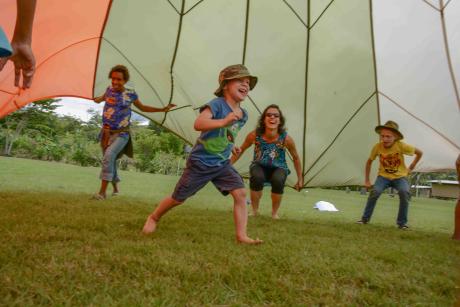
(253, 213)
(248, 240)
(275, 217)
(98, 197)
(150, 225)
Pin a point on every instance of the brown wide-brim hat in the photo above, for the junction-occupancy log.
(390, 125)
(234, 72)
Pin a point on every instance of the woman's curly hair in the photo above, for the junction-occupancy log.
(122, 69)
(261, 123)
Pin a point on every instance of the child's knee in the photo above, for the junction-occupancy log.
(256, 182)
(109, 156)
(375, 193)
(278, 185)
(176, 202)
(239, 194)
(404, 194)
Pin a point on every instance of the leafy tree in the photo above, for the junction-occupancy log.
(37, 132)
(38, 116)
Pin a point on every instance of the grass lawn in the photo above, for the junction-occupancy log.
(58, 247)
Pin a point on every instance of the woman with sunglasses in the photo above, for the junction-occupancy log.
(270, 141)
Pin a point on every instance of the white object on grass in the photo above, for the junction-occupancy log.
(325, 206)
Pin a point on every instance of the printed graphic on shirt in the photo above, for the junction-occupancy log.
(390, 162)
(217, 145)
(214, 146)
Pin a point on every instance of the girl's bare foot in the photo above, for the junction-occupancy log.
(150, 225)
(253, 213)
(275, 217)
(248, 240)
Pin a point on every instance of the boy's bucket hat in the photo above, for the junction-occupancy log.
(390, 125)
(234, 72)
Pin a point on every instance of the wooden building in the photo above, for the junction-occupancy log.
(444, 188)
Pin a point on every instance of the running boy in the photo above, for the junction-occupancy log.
(392, 171)
(219, 122)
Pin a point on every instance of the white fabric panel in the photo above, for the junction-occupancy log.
(413, 71)
(432, 3)
(438, 153)
(452, 20)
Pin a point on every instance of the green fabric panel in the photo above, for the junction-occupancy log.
(343, 163)
(276, 54)
(341, 74)
(300, 7)
(212, 38)
(146, 38)
(319, 6)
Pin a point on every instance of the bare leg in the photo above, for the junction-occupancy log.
(115, 188)
(240, 216)
(255, 200)
(276, 202)
(456, 235)
(103, 189)
(164, 206)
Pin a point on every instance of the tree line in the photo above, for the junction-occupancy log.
(37, 132)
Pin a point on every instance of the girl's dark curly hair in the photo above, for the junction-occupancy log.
(261, 124)
(122, 69)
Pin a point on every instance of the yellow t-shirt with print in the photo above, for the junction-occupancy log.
(392, 164)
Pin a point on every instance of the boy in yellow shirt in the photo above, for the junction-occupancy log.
(392, 171)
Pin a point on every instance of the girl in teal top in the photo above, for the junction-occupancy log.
(269, 165)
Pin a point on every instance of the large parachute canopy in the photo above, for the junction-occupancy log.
(337, 68)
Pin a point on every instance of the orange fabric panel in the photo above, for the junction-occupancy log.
(65, 44)
(7, 107)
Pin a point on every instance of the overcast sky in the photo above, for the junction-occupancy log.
(78, 107)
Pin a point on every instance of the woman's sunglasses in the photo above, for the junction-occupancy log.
(275, 115)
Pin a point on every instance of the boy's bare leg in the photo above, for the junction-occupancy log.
(456, 235)
(276, 202)
(240, 216)
(255, 200)
(164, 206)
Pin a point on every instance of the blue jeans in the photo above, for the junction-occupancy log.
(109, 162)
(381, 183)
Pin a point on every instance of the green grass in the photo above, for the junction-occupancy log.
(57, 247)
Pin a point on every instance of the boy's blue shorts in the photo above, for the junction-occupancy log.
(196, 175)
